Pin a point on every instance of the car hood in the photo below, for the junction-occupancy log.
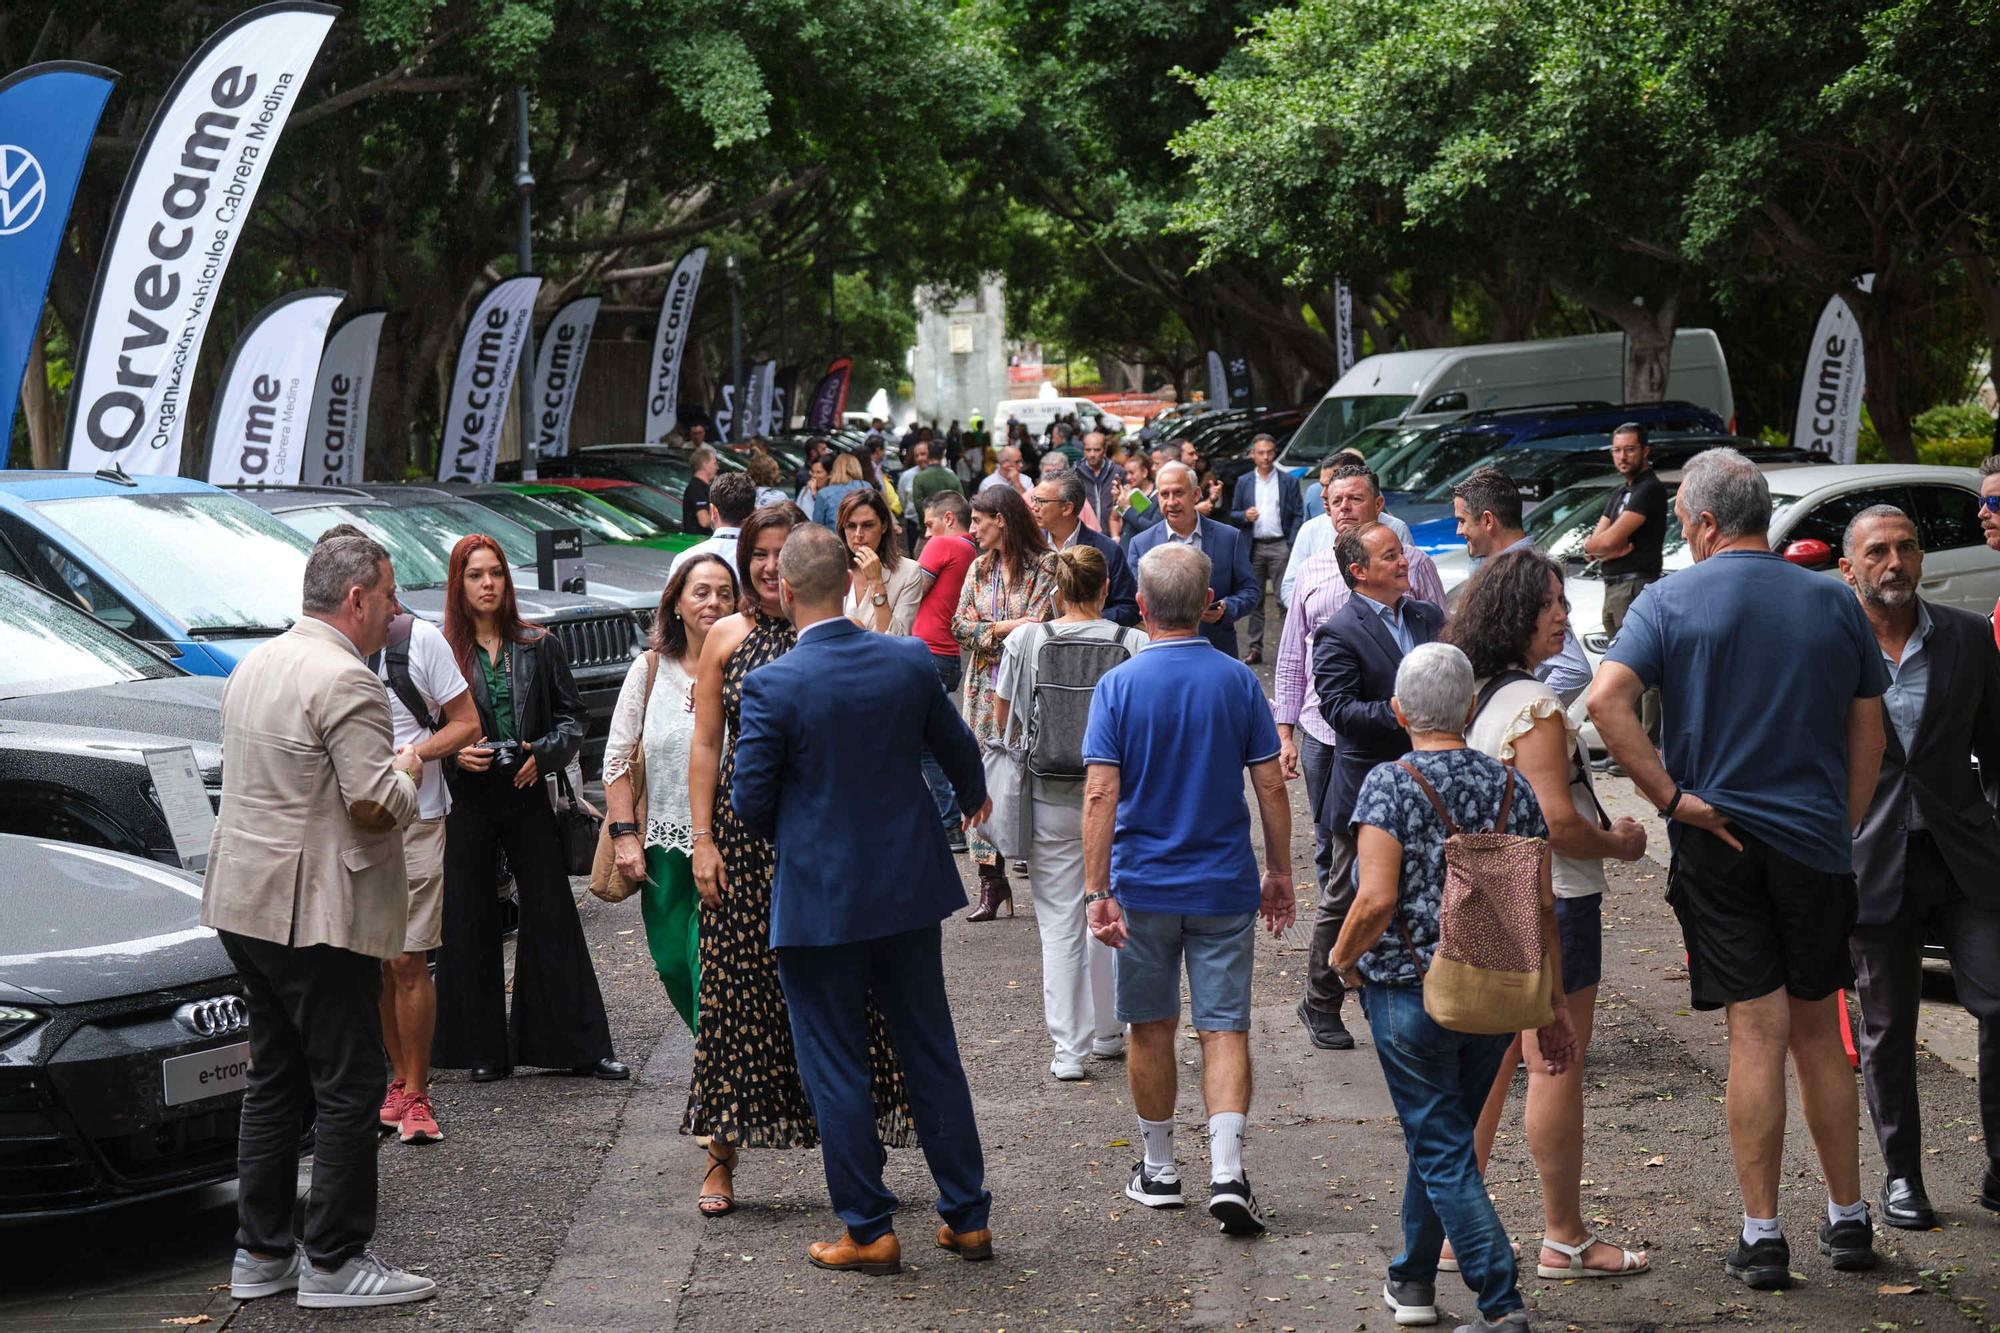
(532, 602)
(1434, 536)
(228, 652)
(80, 924)
(183, 708)
(47, 738)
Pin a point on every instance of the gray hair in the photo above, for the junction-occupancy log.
(814, 562)
(338, 564)
(1055, 463)
(1868, 515)
(1009, 454)
(1193, 482)
(1350, 550)
(1727, 486)
(701, 457)
(1989, 465)
(1069, 489)
(1434, 688)
(1173, 578)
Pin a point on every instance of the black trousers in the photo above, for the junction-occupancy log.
(558, 1017)
(1333, 863)
(1888, 967)
(315, 1058)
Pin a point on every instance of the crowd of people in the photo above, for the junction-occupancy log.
(1045, 665)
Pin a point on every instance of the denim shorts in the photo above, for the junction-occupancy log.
(1218, 950)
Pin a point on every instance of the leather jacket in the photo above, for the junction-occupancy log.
(549, 714)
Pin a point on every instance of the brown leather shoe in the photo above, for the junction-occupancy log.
(878, 1258)
(971, 1246)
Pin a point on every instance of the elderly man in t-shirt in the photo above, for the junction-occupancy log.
(1170, 875)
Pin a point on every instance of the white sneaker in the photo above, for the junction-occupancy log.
(362, 1280)
(1109, 1050)
(251, 1277)
(1069, 1071)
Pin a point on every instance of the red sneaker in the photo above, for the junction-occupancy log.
(420, 1122)
(391, 1114)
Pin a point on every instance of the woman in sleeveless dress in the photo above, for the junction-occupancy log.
(744, 1090)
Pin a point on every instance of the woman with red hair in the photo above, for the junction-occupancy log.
(531, 725)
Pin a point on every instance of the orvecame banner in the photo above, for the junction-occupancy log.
(484, 380)
(757, 399)
(186, 201)
(48, 114)
(784, 396)
(1830, 393)
(663, 382)
(558, 367)
(1236, 374)
(829, 396)
(256, 430)
(1218, 379)
(337, 430)
(1343, 324)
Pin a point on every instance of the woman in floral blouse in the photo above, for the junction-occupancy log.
(1011, 584)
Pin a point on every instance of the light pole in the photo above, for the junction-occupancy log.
(524, 185)
(737, 405)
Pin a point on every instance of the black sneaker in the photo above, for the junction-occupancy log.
(1765, 1266)
(1231, 1203)
(1851, 1245)
(1412, 1304)
(1989, 1188)
(1325, 1030)
(1161, 1191)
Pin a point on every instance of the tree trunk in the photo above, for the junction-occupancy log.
(38, 405)
(1882, 315)
(1649, 335)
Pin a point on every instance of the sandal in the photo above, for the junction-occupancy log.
(1631, 1263)
(1448, 1263)
(711, 1204)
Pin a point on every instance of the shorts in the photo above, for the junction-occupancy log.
(1580, 936)
(1218, 950)
(423, 859)
(1756, 920)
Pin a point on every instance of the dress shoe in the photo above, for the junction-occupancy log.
(1256, 658)
(972, 1246)
(1989, 1189)
(1906, 1206)
(1325, 1029)
(489, 1073)
(878, 1258)
(993, 891)
(611, 1071)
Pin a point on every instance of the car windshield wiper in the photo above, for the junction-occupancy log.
(231, 631)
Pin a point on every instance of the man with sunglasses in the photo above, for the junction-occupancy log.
(1989, 514)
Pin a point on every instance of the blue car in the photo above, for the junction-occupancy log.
(199, 574)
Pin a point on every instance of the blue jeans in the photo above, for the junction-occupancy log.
(1438, 1080)
(949, 669)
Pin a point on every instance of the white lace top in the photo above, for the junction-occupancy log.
(1510, 715)
(669, 736)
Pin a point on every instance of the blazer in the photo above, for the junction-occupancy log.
(1291, 503)
(1961, 718)
(1121, 601)
(549, 714)
(308, 847)
(1097, 485)
(840, 790)
(1354, 661)
(1228, 552)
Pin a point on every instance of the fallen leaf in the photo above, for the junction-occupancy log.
(1656, 1161)
(188, 1320)
(1897, 1289)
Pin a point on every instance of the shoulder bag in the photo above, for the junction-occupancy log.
(605, 880)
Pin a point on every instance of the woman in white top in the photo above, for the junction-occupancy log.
(884, 586)
(1512, 619)
(659, 845)
(1076, 969)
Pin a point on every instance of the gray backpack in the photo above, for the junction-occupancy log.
(1067, 669)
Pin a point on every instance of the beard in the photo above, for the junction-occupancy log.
(1892, 596)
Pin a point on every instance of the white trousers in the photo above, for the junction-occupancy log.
(1077, 995)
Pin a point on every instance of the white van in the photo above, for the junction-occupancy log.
(1037, 413)
(1439, 384)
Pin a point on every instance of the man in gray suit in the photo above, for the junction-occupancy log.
(306, 888)
(1927, 853)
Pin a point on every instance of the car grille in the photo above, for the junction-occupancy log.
(596, 640)
(645, 619)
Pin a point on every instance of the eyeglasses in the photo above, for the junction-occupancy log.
(1990, 503)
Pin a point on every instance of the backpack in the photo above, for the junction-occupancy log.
(1067, 669)
(396, 653)
(1490, 971)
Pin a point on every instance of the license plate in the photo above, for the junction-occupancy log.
(215, 1072)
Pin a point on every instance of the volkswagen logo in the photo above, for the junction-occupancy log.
(221, 1016)
(23, 189)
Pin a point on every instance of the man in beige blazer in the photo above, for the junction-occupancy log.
(306, 887)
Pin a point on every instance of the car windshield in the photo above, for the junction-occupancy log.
(531, 513)
(659, 474)
(1519, 464)
(212, 562)
(46, 646)
(642, 502)
(590, 512)
(414, 552)
(1337, 420)
(1429, 459)
(445, 521)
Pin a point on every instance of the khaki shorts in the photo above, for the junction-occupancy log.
(423, 854)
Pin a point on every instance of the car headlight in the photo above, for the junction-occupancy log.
(14, 1020)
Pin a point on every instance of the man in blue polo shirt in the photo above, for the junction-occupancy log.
(1170, 872)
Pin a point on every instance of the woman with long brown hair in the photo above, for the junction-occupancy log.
(1011, 584)
(744, 1088)
(884, 586)
(531, 722)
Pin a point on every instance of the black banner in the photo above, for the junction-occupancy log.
(1236, 372)
(784, 394)
(829, 396)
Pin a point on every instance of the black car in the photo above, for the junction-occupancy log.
(124, 1037)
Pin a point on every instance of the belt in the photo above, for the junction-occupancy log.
(1627, 578)
(1255, 539)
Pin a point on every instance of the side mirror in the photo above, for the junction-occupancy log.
(1810, 552)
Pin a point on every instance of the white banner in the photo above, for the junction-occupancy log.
(256, 430)
(757, 402)
(1343, 324)
(1218, 380)
(1830, 394)
(483, 382)
(186, 201)
(663, 387)
(558, 367)
(337, 431)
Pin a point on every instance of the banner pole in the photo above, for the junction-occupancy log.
(524, 182)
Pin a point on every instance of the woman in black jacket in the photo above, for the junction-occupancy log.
(531, 725)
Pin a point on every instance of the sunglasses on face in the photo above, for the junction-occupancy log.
(1990, 503)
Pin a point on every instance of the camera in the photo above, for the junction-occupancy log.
(506, 755)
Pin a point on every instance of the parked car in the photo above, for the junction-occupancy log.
(643, 570)
(124, 1036)
(600, 522)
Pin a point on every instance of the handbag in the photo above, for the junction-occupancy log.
(577, 827)
(1006, 827)
(606, 880)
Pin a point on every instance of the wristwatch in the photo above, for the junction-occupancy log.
(1102, 895)
(880, 599)
(619, 829)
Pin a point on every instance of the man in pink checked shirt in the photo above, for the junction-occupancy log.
(1306, 741)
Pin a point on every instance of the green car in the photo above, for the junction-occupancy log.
(601, 523)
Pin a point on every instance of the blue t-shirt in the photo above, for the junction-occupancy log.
(1757, 662)
(1470, 783)
(1180, 722)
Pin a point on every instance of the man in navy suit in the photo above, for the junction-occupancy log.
(1228, 552)
(858, 894)
(1355, 656)
(1058, 504)
(1267, 505)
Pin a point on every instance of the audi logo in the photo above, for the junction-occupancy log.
(218, 1017)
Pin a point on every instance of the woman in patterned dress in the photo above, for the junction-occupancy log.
(744, 1090)
(1011, 584)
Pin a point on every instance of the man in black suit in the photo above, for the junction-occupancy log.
(1355, 656)
(1268, 507)
(1058, 501)
(1926, 853)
